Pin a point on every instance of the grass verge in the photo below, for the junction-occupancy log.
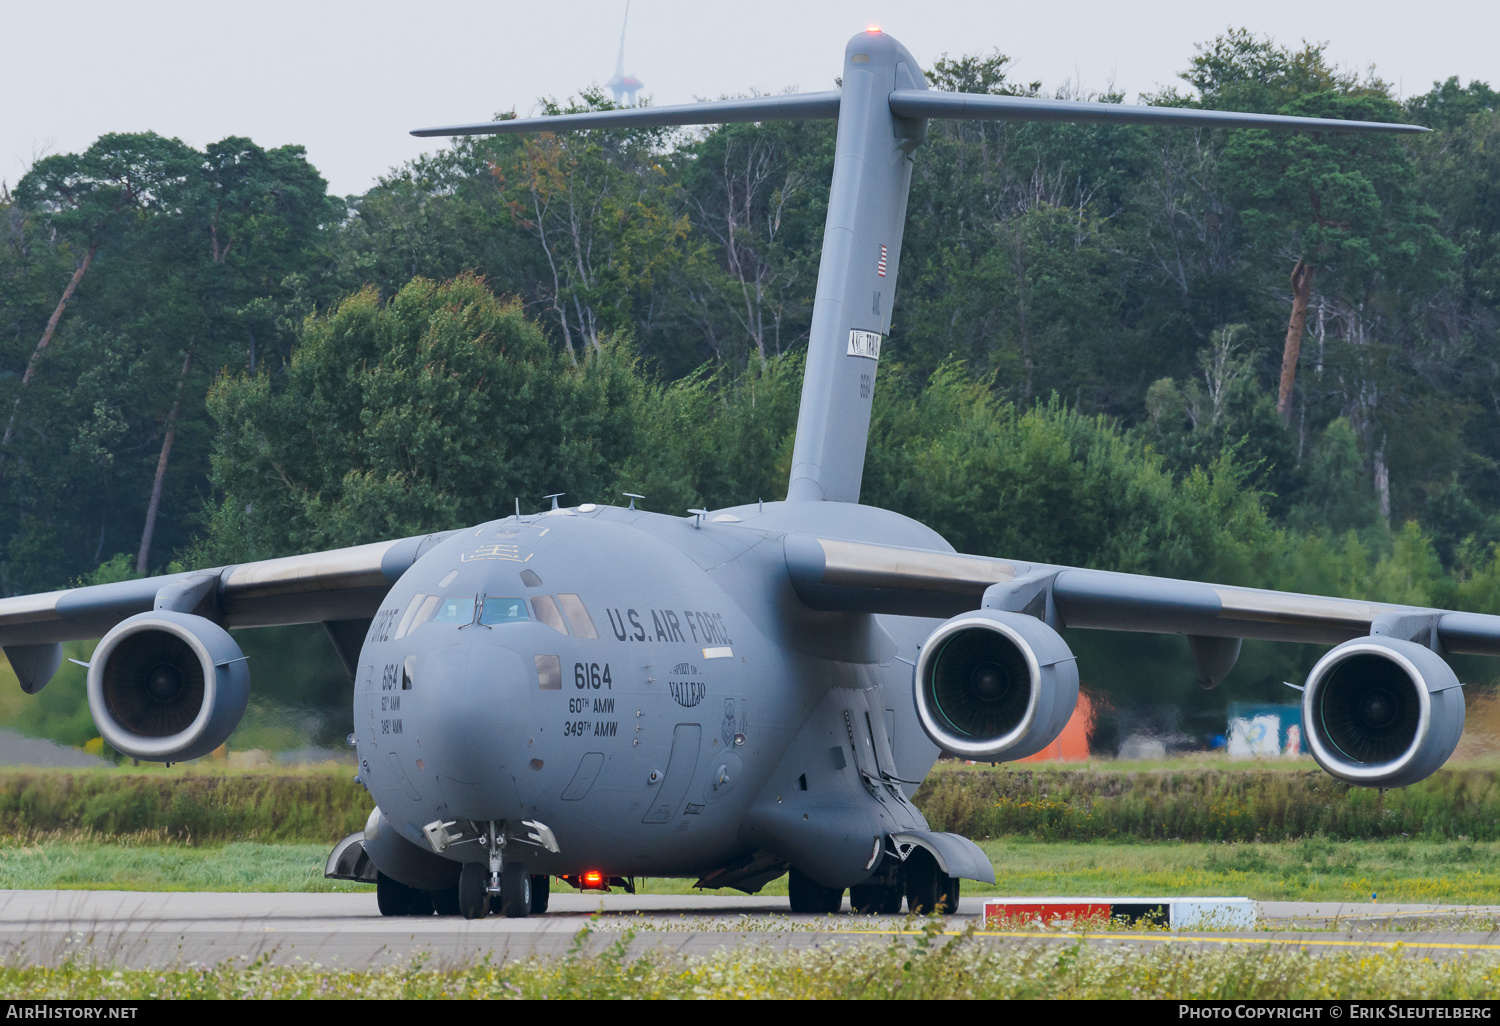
(1462, 872)
(145, 864)
(927, 968)
(1187, 801)
(1311, 869)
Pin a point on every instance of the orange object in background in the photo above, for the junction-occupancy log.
(1072, 745)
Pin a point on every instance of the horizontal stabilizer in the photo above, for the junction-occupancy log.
(927, 103)
(790, 107)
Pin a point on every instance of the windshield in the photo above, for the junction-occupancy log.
(459, 609)
(503, 610)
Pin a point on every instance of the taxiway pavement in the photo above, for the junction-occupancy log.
(135, 929)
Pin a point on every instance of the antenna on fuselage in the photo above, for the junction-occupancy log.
(633, 496)
(882, 111)
(554, 497)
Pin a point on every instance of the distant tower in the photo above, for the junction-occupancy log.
(623, 85)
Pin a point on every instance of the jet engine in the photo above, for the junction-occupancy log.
(167, 686)
(1382, 712)
(995, 685)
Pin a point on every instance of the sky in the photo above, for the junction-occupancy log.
(348, 80)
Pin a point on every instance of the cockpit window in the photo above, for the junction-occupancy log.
(416, 614)
(546, 611)
(458, 609)
(503, 610)
(578, 616)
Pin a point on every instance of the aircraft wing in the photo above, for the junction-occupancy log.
(832, 574)
(319, 587)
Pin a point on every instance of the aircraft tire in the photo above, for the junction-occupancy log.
(445, 902)
(515, 891)
(472, 896)
(392, 897)
(928, 888)
(421, 903)
(876, 899)
(541, 887)
(950, 900)
(810, 897)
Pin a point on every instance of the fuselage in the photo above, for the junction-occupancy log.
(622, 676)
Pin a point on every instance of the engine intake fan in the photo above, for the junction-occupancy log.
(1382, 712)
(167, 686)
(995, 685)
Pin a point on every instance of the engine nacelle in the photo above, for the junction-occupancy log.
(167, 686)
(995, 685)
(1382, 712)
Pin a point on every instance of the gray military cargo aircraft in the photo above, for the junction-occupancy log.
(598, 693)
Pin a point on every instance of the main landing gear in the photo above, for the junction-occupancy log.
(919, 880)
(810, 897)
(531, 893)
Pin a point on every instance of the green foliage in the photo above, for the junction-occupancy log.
(714, 440)
(95, 198)
(1065, 804)
(60, 711)
(1206, 805)
(184, 262)
(1337, 496)
(433, 411)
(1346, 203)
(1450, 105)
(1051, 484)
(310, 806)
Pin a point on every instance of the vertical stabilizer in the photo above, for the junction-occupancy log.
(857, 275)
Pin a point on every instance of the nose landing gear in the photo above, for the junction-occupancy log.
(507, 882)
(497, 881)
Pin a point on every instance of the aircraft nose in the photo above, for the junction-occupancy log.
(478, 733)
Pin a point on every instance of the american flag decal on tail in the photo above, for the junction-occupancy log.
(880, 267)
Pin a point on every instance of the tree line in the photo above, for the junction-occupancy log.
(1266, 359)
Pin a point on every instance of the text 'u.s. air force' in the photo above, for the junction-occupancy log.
(706, 628)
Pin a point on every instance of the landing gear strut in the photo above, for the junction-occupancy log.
(507, 880)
